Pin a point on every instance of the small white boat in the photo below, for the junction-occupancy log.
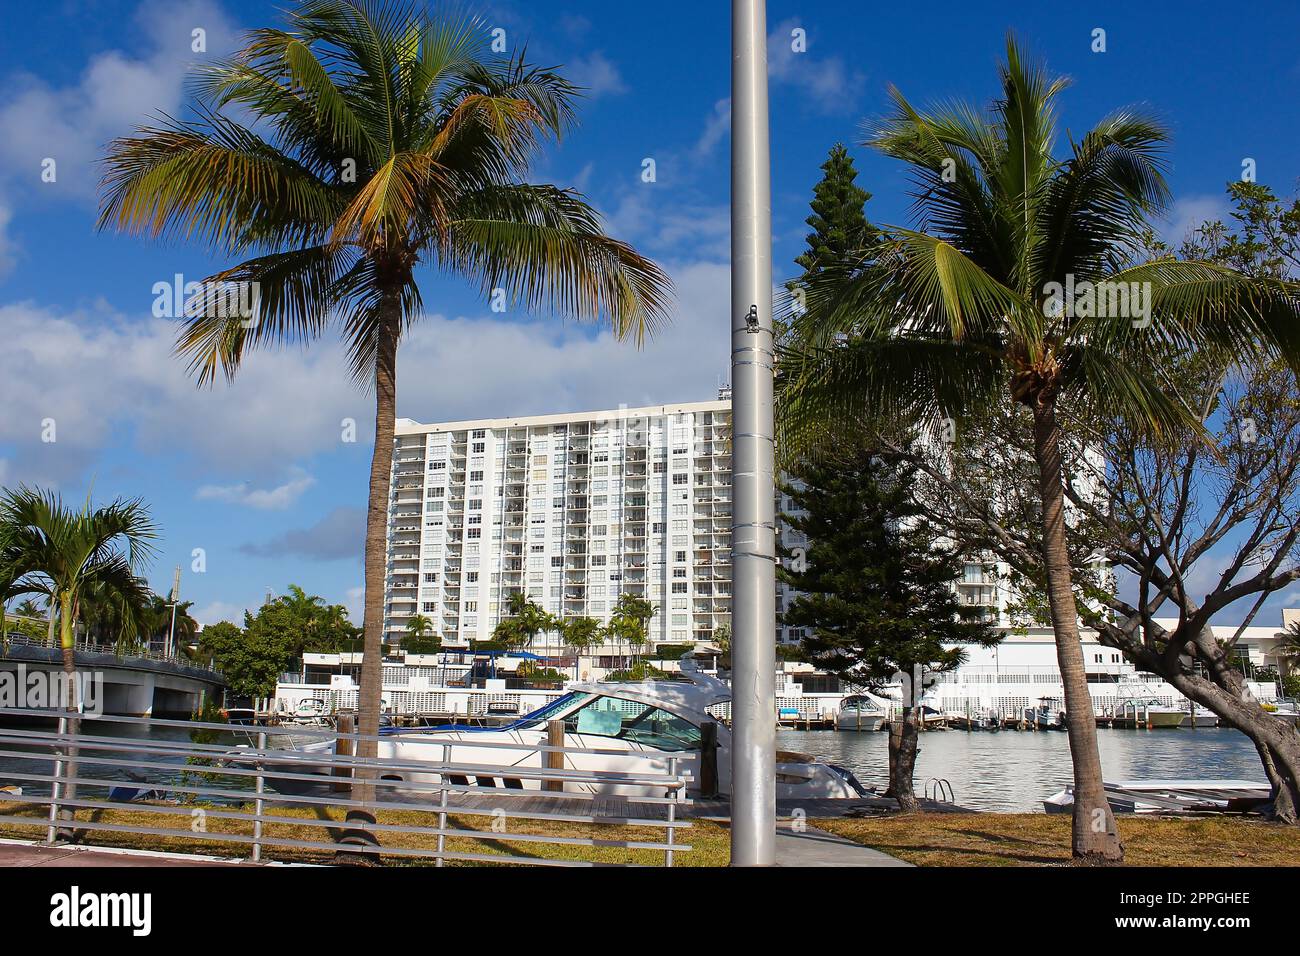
(1172, 796)
(1047, 714)
(861, 712)
(310, 712)
(9, 792)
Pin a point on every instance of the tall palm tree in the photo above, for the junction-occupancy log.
(961, 314)
(68, 553)
(371, 139)
(111, 617)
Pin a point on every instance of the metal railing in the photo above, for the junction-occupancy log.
(533, 796)
(19, 639)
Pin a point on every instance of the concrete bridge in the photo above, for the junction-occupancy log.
(132, 685)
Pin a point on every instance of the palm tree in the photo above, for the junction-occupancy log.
(27, 608)
(1288, 647)
(378, 139)
(112, 617)
(68, 554)
(971, 311)
(524, 620)
(418, 626)
(580, 633)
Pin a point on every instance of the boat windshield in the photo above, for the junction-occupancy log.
(631, 720)
(556, 706)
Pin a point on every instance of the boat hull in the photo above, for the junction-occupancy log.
(855, 721)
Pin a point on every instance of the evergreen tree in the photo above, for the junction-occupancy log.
(876, 587)
(839, 219)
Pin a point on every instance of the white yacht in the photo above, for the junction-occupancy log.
(862, 712)
(1136, 701)
(639, 726)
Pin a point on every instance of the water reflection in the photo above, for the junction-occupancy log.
(1014, 771)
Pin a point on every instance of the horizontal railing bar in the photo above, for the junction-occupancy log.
(311, 845)
(613, 777)
(316, 799)
(366, 826)
(661, 823)
(324, 758)
(489, 745)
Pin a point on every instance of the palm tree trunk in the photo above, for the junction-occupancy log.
(381, 465)
(67, 634)
(1095, 838)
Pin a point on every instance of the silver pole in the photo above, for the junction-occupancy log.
(753, 536)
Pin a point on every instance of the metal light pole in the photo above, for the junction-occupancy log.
(753, 530)
(169, 650)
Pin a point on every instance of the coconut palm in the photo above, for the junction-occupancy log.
(365, 141)
(524, 620)
(418, 626)
(961, 314)
(70, 553)
(27, 608)
(1288, 646)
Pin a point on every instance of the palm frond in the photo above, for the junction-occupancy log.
(544, 247)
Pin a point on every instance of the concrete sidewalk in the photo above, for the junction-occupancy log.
(17, 853)
(812, 847)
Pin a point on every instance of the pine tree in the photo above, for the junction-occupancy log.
(876, 587)
(839, 219)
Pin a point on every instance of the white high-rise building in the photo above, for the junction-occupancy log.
(570, 509)
(573, 510)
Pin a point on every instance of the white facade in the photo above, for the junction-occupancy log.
(572, 510)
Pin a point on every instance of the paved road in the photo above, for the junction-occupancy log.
(29, 854)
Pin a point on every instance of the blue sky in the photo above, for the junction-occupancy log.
(256, 475)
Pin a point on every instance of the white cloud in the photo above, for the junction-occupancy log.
(596, 75)
(117, 91)
(829, 83)
(216, 611)
(269, 499)
(103, 380)
(100, 379)
(355, 602)
(717, 126)
(1189, 212)
(451, 369)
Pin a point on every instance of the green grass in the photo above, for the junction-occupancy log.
(1036, 839)
(709, 842)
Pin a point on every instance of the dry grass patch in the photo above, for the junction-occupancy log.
(1036, 839)
(709, 842)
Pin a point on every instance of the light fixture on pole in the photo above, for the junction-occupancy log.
(753, 528)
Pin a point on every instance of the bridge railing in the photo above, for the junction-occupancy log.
(205, 785)
(19, 639)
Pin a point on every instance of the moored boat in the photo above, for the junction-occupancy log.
(638, 726)
(861, 712)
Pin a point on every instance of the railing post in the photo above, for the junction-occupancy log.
(442, 812)
(672, 813)
(554, 761)
(259, 803)
(55, 787)
(344, 747)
